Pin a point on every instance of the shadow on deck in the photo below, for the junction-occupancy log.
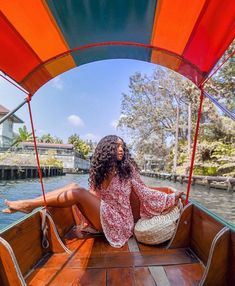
(94, 262)
(201, 252)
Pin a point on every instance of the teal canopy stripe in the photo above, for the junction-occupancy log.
(84, 22)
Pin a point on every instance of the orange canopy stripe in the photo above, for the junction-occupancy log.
(34, 25)
(40, 39)
(174, 23)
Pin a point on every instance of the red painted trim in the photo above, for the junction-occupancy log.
(194, 145)
(101, 44)
(36, 150)
(215, 71)
(19, 87)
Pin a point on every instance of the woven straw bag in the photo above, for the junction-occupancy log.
(158, 228)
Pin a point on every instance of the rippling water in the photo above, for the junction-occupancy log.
(219, 201)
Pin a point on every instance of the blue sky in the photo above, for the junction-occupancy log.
(85, 100)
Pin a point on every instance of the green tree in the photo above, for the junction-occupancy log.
(48, 138)
(160, 113)
(23, 136)
(80, 146)
(222, 84)
(155, 111)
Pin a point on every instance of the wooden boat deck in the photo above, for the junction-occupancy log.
(201, 252)
(94, 262)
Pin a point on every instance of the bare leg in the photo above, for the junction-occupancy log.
(67, 196)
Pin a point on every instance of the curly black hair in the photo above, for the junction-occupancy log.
(104, 161)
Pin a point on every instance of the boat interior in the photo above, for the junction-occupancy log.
(44, 39)
(201, 252)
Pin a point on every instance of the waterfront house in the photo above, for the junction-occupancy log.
(6, 128)
(152, 162)
(71, 159)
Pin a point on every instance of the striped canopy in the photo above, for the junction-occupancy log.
(40, 39)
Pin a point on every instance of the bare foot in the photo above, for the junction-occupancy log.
(17, 206)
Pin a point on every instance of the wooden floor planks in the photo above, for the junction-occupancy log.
(142, 276)
(95, 262)
(184, 275)
(159, 275)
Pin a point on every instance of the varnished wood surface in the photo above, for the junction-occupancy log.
(232, 258)
(63, 219)
(143, 276)
(185, 275)
(153, 248)
(159, 275)
(8, 272)
(216, 273)
(3, 276)
(131, 259)
(182, 236)
(91, 277)
(120, 276)
(203, 230)
(25, 240)
(94, 257)
(56, 245)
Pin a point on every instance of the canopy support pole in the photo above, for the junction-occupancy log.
(20, 105)
(198, 123)
(36, 150)
(4, 118)
(194, 144)
(17, 86)
(215, 71)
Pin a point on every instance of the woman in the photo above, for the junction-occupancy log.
(117, 196)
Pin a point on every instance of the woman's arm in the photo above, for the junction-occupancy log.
(153, 201)
(94, 192)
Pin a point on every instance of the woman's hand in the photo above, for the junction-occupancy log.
(178, 195)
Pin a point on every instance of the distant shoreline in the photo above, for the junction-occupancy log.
(224, 183)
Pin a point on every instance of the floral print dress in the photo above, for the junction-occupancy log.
(115, 210)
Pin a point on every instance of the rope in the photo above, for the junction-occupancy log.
(20, 88)
(36, 150)
(215, 71)
(194, 145)
(230, 114)
(44, 227)
(225, 110)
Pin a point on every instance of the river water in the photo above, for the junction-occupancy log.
(220, 202)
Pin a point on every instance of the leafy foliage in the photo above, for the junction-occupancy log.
(23, 136)
(50, 160)
(149, 112)
(80, 146)
(222, 84)
(48, 138)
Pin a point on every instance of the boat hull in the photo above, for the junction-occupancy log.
(201, 252)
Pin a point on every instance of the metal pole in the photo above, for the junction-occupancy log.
(13, 111)
(194, 145)
(176, 138)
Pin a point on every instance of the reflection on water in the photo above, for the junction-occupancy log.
(219, 201)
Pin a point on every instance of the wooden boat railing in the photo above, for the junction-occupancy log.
(209, 238)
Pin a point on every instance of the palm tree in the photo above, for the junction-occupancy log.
(23, 136)
(46, 138)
